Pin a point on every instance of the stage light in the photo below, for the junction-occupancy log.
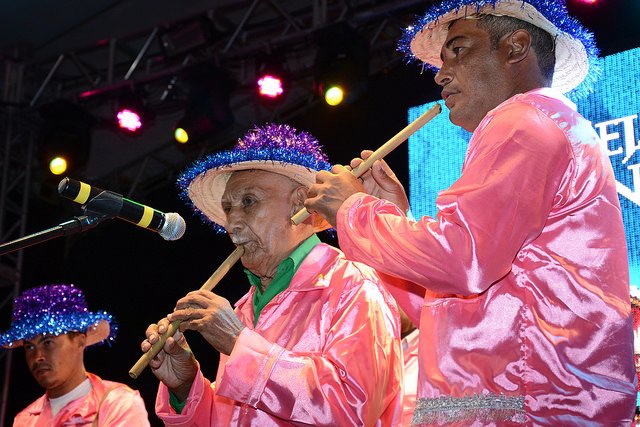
(64, 137)
(207, 110)
(181, 135)
(58, 165)
(272, 79)
(270, 86)
(342, 61)
(334, 96)
(129, 120)
(186, 37)
(131, 114)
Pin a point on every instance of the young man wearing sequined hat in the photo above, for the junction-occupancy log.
(315, 341)
(54, 326)
(522, 295)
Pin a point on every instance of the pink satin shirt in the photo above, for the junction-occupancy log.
(523, 298)
(122, 407)
(325, 352)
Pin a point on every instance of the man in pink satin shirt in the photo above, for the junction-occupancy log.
(520, 284)
(315, 341)
(54, 326)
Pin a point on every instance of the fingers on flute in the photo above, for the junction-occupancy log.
(339, 169)
(365, 154)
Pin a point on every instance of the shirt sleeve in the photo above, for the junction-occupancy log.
(199, 409)
(500, 202)
(347, 383)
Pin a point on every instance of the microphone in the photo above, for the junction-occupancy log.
(170, 226)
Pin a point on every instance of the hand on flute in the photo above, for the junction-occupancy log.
(174, 364)
(380, 181)
(211, 316)
(333, 188)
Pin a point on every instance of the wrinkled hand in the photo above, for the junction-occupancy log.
(380, 181)
(175, 364)
(331, 190)
(210, 315)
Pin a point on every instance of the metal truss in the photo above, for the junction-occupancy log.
(15, 164)
(234, 35)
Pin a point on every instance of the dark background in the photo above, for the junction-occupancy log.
(137, 276)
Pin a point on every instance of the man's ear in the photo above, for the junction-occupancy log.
(298, 196)
(518, 45)
(81, 339)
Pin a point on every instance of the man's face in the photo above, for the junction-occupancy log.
(259, 206)
(473, 75)
(56, 362)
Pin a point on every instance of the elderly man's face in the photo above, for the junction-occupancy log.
(259, 206)
(473, 75)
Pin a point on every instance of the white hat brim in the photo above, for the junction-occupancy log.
(206, 190)
(572, 61)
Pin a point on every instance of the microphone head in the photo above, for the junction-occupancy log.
(173, 227)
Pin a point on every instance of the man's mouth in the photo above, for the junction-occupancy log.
(40, 370)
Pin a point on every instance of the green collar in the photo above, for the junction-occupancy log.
(286, 269)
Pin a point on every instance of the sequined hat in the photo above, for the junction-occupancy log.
(55, 310)
(277, 148)
(576, 53)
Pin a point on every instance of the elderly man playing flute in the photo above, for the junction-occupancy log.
(315, 341)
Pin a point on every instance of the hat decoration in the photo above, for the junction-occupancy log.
(56, 310)
(577, 67)
(277, 148)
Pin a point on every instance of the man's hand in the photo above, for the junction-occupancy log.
(380, 181)
(210, 315)
(175, 364)
(331, 190)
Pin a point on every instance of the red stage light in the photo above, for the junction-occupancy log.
(129, 120)
(270, 86)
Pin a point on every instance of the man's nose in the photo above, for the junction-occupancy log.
(443, 76)
(234, 218)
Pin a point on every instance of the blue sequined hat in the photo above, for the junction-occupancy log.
(576, 52)
(55, 310)
(277, 148)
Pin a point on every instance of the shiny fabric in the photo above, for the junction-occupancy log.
(410, 385)
(524, 274)
(122, 407)
(325, 352)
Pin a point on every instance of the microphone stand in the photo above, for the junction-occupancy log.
(90, 219)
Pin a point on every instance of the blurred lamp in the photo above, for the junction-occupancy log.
(58, 165)
(341, 65)
(207, 110)
(270, 86)
(334, 95)
(64, 137)
(131, 113)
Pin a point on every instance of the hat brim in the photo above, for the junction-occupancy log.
(206, 190)
(96, 332)
(572, 60)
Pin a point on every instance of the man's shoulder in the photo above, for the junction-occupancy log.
(113, 388)
(340, 261)
(546, 100)
(34, 408)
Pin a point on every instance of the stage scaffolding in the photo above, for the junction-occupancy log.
(247, 30)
